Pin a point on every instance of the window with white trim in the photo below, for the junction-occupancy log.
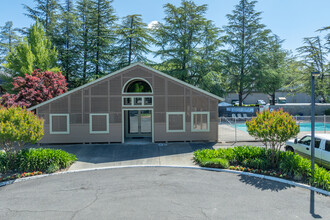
(137, 101)
(175, 122)
(98, 123)
(200, 121)
(59, 124)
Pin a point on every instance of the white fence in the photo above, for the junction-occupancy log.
(233, 129)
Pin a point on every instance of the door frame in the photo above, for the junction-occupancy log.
(136, 109)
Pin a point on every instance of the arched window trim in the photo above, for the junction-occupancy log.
(137, 93)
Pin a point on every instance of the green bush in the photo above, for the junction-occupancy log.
(258, 163)
(41, 159)
(4, 162)
(248, 152)
(215, 163)
(293, 164)
(258, 158)
(273, 129)
(321, 178)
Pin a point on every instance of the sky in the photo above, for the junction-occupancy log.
(291, 20)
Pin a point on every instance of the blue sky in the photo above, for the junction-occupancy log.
(292, 20)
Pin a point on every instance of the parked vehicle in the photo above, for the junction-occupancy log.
(236, 102)
(281, 100)
(303, 147)
(261, 102)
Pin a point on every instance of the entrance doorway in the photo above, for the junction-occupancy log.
(138, 124)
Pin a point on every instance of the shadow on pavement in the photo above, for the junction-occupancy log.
(264, 184)
(104, 153)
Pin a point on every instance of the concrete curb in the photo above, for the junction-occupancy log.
(289, 182)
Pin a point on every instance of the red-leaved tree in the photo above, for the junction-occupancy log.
(35, 88)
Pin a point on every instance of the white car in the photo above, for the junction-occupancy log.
(303, 147)
(261, 102)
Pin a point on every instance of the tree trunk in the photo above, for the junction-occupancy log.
(273, 98)
(130, 44)
(240, 98)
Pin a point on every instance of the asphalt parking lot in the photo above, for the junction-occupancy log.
(157, 193)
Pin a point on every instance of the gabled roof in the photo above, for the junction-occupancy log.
(118, 72)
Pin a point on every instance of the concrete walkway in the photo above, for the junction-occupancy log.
(106, 155)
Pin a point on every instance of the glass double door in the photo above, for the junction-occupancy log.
(138, 123)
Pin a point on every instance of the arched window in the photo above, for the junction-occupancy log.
(137, 86)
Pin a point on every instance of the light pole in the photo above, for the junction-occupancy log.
(313, 74)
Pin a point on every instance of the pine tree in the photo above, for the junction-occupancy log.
(8, 39)
(187, 42)
(84, 41)
(46, 11)
(102, 30)
(246, 39)
(273, 67)
(34, 52)
(65, 40)
(133, 41)
(314, 54)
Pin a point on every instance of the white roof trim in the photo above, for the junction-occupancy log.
(119, 71)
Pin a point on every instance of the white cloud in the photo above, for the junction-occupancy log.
(152, 24)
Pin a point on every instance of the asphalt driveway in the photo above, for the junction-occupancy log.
(106, 155)
(157, 193)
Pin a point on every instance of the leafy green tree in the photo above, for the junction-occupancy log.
(246, 39)
(273, 129)
(65, 40)
(46, 11)
(33, 52)
(314, 54)
(8, 39)
(187, 42)
(133, 41)
(17, 128)
(102, 31)
(272, 69)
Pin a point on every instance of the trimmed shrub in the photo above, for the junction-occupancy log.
(41, 159)
(18, 127)
(273, 129)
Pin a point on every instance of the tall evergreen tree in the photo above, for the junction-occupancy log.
(65, 40)
(102, 30)
(8, 39)
(134, 40)
(187, 42)
(84, 41)
(46, 11)
(246, 39)
(34, 52)
(314, 52)
(272, 66)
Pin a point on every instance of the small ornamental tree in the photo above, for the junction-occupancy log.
(273, 129)
(35, 88)
(17, 128)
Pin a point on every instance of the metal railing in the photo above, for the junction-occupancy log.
(233, 129)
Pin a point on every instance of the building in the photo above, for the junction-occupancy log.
(255, 96)
(133, 103)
